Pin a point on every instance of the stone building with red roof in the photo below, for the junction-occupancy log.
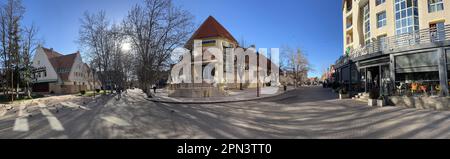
(212, 34)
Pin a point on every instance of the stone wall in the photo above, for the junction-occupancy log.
(197, 92)
(66, 89)
(434, 103)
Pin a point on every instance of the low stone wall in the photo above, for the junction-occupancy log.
(435, 103)
(197, 92)
(66, 89)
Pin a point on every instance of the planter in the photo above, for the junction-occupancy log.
(381, 103)
(372, 102)
(343, 96)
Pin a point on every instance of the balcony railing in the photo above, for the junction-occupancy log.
(424, 36)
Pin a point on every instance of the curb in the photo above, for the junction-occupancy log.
(215, 102)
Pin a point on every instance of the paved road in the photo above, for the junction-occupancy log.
(309, 112)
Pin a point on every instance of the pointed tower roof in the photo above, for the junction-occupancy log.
(212, 28)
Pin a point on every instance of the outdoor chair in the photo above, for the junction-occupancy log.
(414, 87)
(438, 89)
(423, 89)
(401, 89)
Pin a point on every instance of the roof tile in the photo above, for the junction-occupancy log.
(212, 28)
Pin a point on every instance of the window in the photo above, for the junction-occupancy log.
(349, 38)
(437, 32)
(208, 42)
(406, 16)
(378, 2)
(381, 19)
(435, 5)
(349, 22)
(349, 5)
(45, 73)
(247, 62)
(382, 42)
(367, 23)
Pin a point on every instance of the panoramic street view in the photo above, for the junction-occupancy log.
(199, 69)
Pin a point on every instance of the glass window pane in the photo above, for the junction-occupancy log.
(410, 11)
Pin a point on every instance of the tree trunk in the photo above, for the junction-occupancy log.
(17, 90)
(28, 90)
(12, 85)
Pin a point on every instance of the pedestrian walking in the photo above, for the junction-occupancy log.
(119, 92)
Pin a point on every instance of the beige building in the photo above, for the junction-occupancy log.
(368, 20)
(396, 46)
(213, 34)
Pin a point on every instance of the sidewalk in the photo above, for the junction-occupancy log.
(161, 96)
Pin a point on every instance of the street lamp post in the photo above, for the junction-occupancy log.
(93, 76)
(257, 75)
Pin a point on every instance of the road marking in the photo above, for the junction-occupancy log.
(45, 112)
(21, 124)
(73, 105)
(116, 120)
(3, 113)
(21, 111)
(54, 122)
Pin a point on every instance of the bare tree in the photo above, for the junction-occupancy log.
(296, 64)
(29, 45)
(94, 35)
(154, 30)
(11, 14)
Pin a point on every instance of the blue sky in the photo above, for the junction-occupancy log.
(313, 25)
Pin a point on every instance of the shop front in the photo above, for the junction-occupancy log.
(375, 75)
(421, 73)
(424, 72)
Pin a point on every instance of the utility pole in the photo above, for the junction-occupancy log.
(93, 76)
(257, 75)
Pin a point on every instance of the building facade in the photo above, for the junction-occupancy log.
(62, 74)
(213, 35)
(396, 46)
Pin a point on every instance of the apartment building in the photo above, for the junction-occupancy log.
(393, 44)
